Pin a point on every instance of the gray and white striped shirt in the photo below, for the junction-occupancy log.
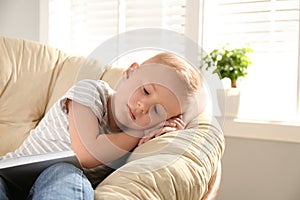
(51, 134)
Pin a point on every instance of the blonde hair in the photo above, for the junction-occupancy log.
(186, 71)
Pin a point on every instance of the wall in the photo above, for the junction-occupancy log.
(20, 18)
(260, 170)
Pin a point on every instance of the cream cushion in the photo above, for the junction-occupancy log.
(176, 165)
(32, 77)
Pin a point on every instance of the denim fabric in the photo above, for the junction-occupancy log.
(3, 190)
(62, 181)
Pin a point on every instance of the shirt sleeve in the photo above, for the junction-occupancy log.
(90, 93)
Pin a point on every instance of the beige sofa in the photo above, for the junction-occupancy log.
(177, 165)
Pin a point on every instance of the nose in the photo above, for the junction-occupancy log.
(142, 107)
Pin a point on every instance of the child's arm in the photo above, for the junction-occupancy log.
(91, 148)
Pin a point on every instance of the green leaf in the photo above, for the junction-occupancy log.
(228, 63)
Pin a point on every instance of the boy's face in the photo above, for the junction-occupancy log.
(140, 102)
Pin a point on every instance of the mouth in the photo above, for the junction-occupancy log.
(131, 113)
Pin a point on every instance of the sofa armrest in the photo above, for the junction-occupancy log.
(214, 184)
(177, 165)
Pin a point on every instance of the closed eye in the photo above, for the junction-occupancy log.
(146, 92)
(158, 109)
(155, 109)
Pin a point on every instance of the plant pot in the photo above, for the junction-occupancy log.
(229, 101)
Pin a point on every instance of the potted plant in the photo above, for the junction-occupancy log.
(229, 63)
(232, 64)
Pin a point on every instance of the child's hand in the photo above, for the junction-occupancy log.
(172, 124)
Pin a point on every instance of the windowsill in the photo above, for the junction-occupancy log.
(263, 130)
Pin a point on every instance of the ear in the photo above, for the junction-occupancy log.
(130, 69)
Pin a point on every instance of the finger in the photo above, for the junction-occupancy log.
(179, 123)
(176, 122)
(141, 142)
(179, 116)
(165, 130)
(171, 122)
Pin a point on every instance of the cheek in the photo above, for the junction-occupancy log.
(150, 120)
(144, 122)
(133, 97)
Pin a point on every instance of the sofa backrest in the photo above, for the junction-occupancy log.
(32, 77)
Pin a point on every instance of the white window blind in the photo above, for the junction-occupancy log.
(79, 26)
(92, 22)
(271, 28)
(169, 14)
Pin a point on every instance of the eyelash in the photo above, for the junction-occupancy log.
(155, 109)
(146, 91)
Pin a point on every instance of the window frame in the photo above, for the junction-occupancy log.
(298, 77)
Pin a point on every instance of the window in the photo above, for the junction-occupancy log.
(79, 26)
(271, 28)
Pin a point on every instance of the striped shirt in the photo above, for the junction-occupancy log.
(51, 134)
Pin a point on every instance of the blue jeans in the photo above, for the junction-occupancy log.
(3, 190)
(60, 181)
